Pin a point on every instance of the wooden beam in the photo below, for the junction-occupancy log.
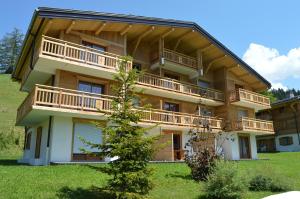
(70, 27)
(48, 25)
(141, 37)
(244, 75)
(233, 66)
(205, 48)
(125, 30)
(179, 39)
(167, 32)
(100, 28)
(214, 61)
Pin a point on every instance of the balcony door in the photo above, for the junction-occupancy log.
(90, 88)
(94, 57)
(244, 147)
(169, 117)
(170, 84)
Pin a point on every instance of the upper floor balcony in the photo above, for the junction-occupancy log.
(47, 100)
(170, 88)
(252, 125)
(175, 61)
(59, 54)
(249, 99)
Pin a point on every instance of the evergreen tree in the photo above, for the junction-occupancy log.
(124, 139)
(10, 48)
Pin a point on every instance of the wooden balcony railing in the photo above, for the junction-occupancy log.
(251, 124)
(54, 97)
(245, 95)
(180, 58)
(180, 87)
(74, 52)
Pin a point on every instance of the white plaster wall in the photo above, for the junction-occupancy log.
(28, 155)
(294, 147)
(61, 139)
(253, 146)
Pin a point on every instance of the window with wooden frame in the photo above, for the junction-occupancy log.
(28, 141)
(286, 141)
(38, 142)
(137, 66)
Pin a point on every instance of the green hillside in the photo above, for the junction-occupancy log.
(11, 137)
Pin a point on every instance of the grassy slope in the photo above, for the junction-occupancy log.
(171, 180)
(10, 99)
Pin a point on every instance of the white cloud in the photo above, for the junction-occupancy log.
(273, 66)
(279, 85)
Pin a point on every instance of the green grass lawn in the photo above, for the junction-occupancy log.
(171, 180)
(10, 99)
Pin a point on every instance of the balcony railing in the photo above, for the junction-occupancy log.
(60, 98)
(74, 52)
(180, 87)
(180, 58)
(251, 124)
(245, 95)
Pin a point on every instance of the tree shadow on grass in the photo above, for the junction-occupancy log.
(81, 193)
(179, 175)
(10, 162)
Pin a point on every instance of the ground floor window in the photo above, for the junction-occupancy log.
(88, 132)
(286, 141)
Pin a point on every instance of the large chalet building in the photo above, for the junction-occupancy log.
(67, 65)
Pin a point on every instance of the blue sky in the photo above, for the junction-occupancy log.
(266, 34)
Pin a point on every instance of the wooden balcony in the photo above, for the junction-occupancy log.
(179, 58)
(178, 89)
(47, 99)
(249, 99)
(175, 61)
(54, 54)
(254, 125)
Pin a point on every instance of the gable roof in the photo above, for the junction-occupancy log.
(47, 12)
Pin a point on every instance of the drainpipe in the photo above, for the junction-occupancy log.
(296, 120)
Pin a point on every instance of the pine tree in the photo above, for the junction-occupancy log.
(125, 139)
(10, 48)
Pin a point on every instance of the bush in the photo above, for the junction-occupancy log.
(224, 183)
(201, 163)
(265, 183)
(260, 183)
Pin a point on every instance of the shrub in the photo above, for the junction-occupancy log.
(260, 183)
(201, 163)
(279, 186)
(269, 183)
(224, 183)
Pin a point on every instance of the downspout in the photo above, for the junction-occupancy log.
(296, 120)
(49, 131)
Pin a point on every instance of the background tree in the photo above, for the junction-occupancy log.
(125, 140)
(10, 47)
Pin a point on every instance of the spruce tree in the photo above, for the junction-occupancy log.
(124, 139)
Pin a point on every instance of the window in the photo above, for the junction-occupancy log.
(242, 113)
(286, 141)
(172, 76)
(136, 102)
(91, 87)
(171, 107)
(95, 46)
(28, 141)
(38, 143)
(137, 66)
(203, 84)
(93, 57)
